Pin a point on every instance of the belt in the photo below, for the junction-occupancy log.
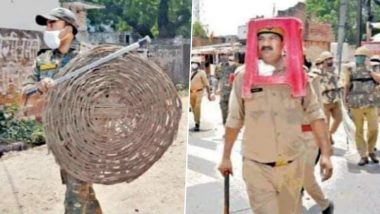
(306, 128)
(277, 163)
(197, 90)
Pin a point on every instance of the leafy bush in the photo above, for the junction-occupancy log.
(13, 129)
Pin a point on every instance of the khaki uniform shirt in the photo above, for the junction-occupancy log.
(199, 81)
(272, 120)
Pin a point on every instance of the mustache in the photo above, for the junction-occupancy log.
(269, 48)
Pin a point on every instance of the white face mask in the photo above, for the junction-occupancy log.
(51, 39)
(194, 66)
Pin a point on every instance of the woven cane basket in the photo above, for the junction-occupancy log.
(112, 123)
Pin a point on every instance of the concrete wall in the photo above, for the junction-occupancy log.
(20, 14)
(174, 57)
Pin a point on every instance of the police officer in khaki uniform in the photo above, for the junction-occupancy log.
(59, 36)
(198, 81)
(363, 98)
(318, 65)
(312, 151)
(273, 146)
(331, 90)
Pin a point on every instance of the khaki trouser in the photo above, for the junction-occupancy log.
(333, 110)
(358, 116)
(275, 190)
(310, 184)
(80, 197)
(195, 102)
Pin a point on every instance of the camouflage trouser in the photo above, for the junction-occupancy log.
(80, 197)
(224, 109)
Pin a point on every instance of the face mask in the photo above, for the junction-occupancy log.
(51, 39)
(194, 66)
(360, 60)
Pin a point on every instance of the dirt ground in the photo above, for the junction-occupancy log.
(30, 183)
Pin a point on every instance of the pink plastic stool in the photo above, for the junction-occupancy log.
(294, 76)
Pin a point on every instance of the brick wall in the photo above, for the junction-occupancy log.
(317, 35)
(18, 50)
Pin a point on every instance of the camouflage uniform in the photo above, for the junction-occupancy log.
(226, 88)
(363, 98)
(80, 197)
(331, 98)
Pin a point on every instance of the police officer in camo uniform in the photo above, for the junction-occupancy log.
(59, 36)
(227, 74)
(363, 98)
(331, 90)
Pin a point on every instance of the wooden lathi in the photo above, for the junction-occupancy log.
(111, 124)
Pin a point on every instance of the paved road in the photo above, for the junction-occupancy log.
(353, 189)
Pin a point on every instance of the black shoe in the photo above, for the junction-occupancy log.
(373, 157)
(329, 209)
(196, 128)
(363, 161)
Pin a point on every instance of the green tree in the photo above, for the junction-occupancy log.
(174, 18)
(328, 11)
(198, 30)
(163, 18)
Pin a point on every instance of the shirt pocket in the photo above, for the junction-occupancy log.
(256, 105)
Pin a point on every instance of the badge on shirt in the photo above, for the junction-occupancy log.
(48, 66)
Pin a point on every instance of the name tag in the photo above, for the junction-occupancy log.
(256, 90)
(48, 66)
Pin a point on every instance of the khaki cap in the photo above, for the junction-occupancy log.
(326, 55)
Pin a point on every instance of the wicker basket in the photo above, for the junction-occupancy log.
(111, 124)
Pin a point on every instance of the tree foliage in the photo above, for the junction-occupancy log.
(198, 30)
(328, 11)
(156, 18)
(13, 129)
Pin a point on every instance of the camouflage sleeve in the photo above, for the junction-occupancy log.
(236, 114)
(32, 79)
(312, 108)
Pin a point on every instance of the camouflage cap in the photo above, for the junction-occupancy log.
(59, 13)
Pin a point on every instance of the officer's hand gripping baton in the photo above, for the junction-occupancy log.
(92, 65)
